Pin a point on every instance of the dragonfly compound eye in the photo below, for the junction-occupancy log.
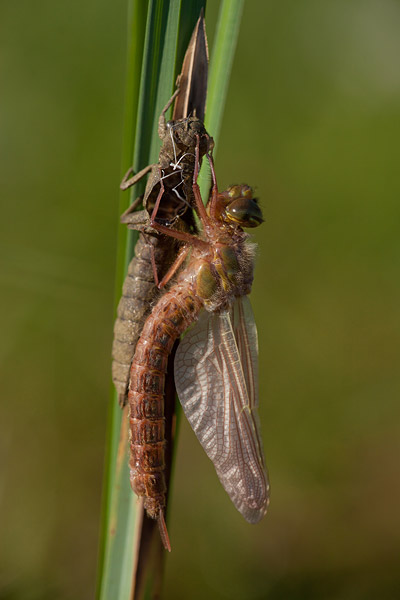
(244, 211)
(239, 191)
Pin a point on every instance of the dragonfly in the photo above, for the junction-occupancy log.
(216, 369)
(169, 183)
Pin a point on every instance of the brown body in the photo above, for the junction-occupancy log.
(172, 315)
(220, 268)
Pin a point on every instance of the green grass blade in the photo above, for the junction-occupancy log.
(221, 63)
(158, 34)
(221, 60)
(137, 16)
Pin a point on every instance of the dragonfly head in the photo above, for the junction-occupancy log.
(240, 208)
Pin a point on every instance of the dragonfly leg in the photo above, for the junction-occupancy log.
(128, 181)
(210, 144)
(214, 192)
(127, 216)
(158, 200)
(153, 261)
(162, 126)
(178, 235)
(174, 267)
(199, 206)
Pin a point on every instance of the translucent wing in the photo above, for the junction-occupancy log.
(217, 380)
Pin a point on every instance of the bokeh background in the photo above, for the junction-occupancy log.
(312, 120)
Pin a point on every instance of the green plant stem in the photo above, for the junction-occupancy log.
(155, 51)
(221, 61)
(158, 33)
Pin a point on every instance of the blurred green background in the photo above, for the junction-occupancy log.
(312, 121)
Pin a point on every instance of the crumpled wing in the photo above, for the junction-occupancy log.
(216, 377)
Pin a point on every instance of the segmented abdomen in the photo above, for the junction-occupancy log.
(172, 315)
(138, 293)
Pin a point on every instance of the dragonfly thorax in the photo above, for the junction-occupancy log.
(224, 273)
(222, 266)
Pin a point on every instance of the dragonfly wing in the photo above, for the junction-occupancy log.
(216, 381)
(245, 331)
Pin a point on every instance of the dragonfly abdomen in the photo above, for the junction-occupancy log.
(172, 315)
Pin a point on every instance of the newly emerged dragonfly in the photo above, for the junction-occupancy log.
(171, 179)
(216, 371)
